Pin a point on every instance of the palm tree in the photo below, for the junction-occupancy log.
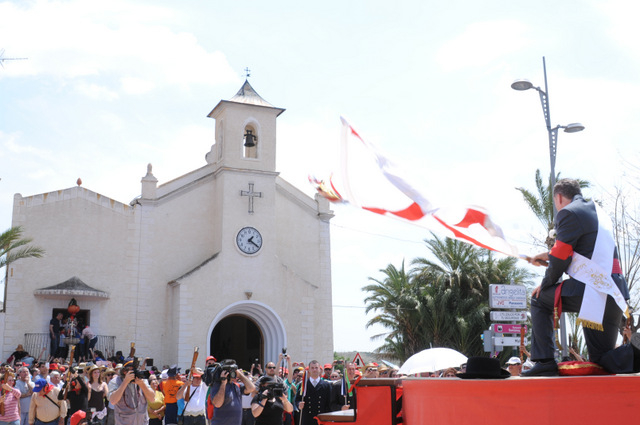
(14, 247)
(395, 301)
(455, 307)
(541, 204)
(456, 265)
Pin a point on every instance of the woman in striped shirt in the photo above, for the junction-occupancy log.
(9, 400)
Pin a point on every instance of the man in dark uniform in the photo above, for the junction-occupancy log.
(580, 239)
(316, 396)
(343, 395)
(55, 327)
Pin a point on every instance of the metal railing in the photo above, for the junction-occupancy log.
(34, 343)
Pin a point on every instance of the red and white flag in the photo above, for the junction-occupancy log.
(369, 180)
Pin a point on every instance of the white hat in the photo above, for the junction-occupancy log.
(164, 375)
(514, 360)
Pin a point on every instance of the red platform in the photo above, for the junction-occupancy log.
(559, 400)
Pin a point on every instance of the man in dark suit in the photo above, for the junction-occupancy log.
(316, 396)
(343, 396)
(581, 239)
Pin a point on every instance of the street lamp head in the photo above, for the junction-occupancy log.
(521, 85)
(573, 127)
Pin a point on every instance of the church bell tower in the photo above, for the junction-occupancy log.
(245, 136)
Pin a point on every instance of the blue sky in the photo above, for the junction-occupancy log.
(111, 86)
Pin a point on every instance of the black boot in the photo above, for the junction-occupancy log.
(548, 368)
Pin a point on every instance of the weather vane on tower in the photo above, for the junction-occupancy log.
(247, 72)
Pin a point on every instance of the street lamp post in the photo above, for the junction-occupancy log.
(522, 85)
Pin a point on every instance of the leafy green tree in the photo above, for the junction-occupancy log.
(395, 301)
(14, 247)
(441, 302)
(541, 204)
(456, 265)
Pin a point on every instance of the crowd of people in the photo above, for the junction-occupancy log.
(54, 393)
(217, 393)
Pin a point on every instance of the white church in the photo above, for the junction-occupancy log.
(229, 258)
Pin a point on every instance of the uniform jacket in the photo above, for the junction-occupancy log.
(316, 400)
(576, 231)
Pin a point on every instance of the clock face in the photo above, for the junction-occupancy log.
(249, 240)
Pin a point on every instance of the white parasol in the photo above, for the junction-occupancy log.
(431, 360)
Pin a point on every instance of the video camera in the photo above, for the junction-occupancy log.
(212, 374)
(275, 388)
(140, 374)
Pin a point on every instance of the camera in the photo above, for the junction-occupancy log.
(275, 388)
(212, 374)
(140, 374)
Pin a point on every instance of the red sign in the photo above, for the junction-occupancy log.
(507, 328)
(357, 359)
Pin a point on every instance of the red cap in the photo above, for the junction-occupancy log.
(211, 358)
(328, 366)
(53, 366)
(77, 417)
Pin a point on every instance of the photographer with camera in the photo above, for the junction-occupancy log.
(129, 394)
(227, 394)
(270, 402)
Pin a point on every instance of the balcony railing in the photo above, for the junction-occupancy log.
(34, 343)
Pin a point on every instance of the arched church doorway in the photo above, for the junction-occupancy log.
(225, 337)
(237, 337)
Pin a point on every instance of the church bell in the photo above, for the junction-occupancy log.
(249, 139)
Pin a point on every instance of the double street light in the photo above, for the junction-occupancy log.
(522, 85)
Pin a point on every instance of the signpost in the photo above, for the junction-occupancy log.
(508, 316)
(507, 296)
(357, 359)
(507, 328)
(506, 341)
(500, 335)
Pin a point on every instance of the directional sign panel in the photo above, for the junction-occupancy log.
(507, 341)
(507, 296)
(508, 316)
(507, 328)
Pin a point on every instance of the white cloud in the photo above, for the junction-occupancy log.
(623, 18)
(78, 38)
(132, 85)
(481, 43)
(95, 91)
(14, 146)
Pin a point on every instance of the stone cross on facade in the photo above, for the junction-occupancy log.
(251, 194)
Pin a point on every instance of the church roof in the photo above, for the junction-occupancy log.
(195, 269)
(72, 287)
(248, 95)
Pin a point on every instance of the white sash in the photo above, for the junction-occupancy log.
(595, 273)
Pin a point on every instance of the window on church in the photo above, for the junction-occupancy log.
(250, 142)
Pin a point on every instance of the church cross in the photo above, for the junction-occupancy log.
(251, 194)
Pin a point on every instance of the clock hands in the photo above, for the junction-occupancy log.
(250, 240)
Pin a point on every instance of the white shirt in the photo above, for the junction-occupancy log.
(197, 401)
